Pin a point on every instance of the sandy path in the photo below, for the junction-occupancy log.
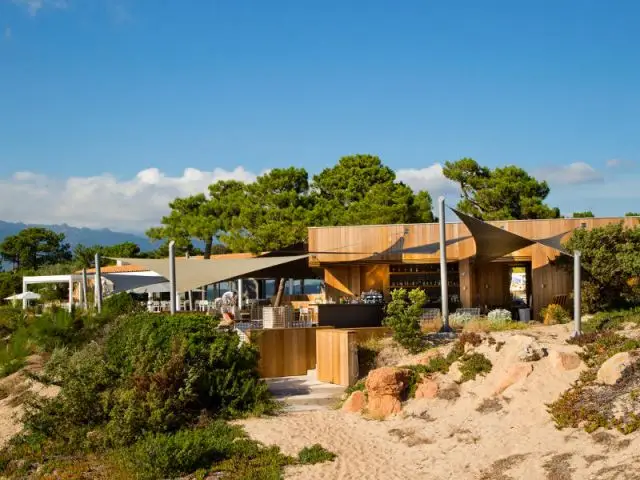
(513, 437)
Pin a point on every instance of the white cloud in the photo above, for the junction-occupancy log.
(614, 162)
(7, 33)
(34, 6)
(430, 179)
(573, 174)
(104, 201)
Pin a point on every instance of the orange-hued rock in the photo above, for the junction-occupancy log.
(515, 374)
(355, 403)
(383, 406)
(384, 386)
(426, 358)
(564, 360)
(428, 388)
(386, 381)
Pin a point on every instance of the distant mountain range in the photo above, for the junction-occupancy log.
(85, 236)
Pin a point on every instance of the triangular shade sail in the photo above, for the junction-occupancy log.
(492, 242)
(194, 273)
(555, 242)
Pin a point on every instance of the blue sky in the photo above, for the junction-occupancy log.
(119, 97)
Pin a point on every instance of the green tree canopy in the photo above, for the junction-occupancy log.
(189, 218)
(84, 257)
(273, 212)
(507, 193)
(632, 214)
(34, 247)
(361, 190)
(587, 214)
(611, 261)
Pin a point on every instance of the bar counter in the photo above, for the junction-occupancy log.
(349, 315)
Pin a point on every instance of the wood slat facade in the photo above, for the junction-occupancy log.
(358, 258)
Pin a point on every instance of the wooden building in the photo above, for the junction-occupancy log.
(356, 259)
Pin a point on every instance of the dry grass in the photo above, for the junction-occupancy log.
(498, 469)
(558, 467)
(485, 325)
(489, 405)
(431, 326)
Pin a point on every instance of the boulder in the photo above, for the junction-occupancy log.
(516, 373)
(564, 360)
(427, 388)
(532, 352)
(355, 403)
(383, 406)
(384, 386)
(386, 381)
(612, 370)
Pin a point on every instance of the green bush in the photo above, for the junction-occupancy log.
(610, 263)
(154, 373)
(474, 365)
(403, 317)
(121, 304)
(10, 319)
(172, 455)
(553, 314)
(315, 454)
(612, 320)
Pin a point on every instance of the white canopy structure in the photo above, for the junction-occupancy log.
(24, 296)
(192, 274)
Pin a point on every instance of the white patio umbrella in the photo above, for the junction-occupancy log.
(24, 296)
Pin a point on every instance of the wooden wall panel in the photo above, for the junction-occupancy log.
(466, 287)
(383, 243)
(337, 356)
(285, 351)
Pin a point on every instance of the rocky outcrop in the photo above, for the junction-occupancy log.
(428, 356)
(532, 352)
(564, 360)
(612, 370)
(384, 387)
(515, 374)
(427, 388)
(355, 403)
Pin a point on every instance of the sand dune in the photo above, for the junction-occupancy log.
(475, 436)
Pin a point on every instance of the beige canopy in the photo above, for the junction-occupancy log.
(195, 273)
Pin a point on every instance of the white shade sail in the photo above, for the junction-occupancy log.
(195, 272)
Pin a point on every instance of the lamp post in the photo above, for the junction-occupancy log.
(577, 296)
(444, 287)
(172, 276)
(98, 284)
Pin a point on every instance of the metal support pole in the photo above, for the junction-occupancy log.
(98, 284)
(85, 302)
(444, 287)
(24, 291)
(172, 275)
(240, 293)
(577, 297)
(70, 294)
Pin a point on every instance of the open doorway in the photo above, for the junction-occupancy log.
(519, 275)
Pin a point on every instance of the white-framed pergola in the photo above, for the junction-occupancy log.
(69, 279)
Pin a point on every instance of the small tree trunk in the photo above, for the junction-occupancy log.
(281, 284)
(208, 244)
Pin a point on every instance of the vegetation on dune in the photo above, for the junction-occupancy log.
(591, 406)
(142, 396)
(403, 317)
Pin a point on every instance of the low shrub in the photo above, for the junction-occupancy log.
(150, 378)
(315, 454)
(612, 320)
(10, 319)
(202, 448)
(499, 315)
(474, 365)
(553, 314)
(404, 313)
(122, 303)
(592, 406)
